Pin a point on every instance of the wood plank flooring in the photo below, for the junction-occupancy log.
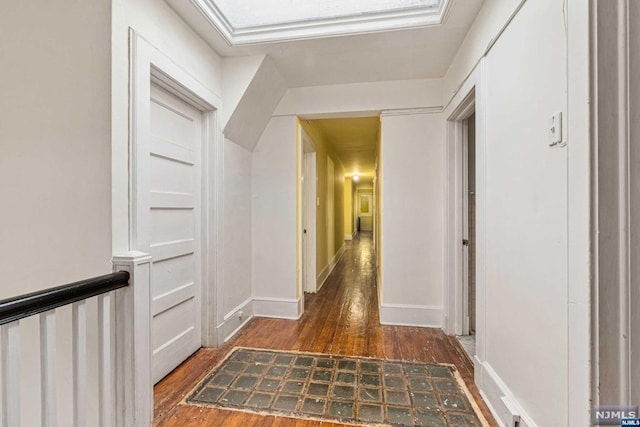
(342, 318)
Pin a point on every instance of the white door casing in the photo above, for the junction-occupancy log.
(457, 255)
(465, 226)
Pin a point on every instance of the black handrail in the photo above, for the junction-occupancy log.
(13, 309)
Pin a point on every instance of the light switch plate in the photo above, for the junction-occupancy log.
(555, 129)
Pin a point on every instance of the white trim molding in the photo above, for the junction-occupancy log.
(500, 400)
(459, 110)
(235, 320)
(348, 237)
(363, 23)
(326, 272)
(412, 111)
(411, 315)
(279, 308)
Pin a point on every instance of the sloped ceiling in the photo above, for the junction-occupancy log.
(237, 75)
(254, 109)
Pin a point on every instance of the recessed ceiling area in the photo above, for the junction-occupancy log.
(248, 21)
(244, 14)
(377, 54)
(354, 141)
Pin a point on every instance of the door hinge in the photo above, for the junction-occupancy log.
(465, 242)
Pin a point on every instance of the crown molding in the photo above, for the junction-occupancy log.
(412, 111)
(319, 28)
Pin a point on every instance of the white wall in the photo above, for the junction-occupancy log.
(274, 219)
(236, 293)
(54, 144)
(413, 199)
(523, 348)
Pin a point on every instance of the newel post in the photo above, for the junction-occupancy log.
(134, 389)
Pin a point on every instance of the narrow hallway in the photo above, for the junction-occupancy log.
(341, 319)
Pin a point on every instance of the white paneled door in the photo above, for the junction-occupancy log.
(171, 227)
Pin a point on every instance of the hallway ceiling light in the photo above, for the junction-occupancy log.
(249, 21)
(356, 178)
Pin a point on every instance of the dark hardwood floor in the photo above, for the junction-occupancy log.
(342, 318)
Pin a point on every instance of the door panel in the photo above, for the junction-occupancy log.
(173, 230)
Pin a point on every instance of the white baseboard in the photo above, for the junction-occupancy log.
(233, 322)
(411, 315)
(348, 237)
(281, 308)
(324, 274)
(501, 402)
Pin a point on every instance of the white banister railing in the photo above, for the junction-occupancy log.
(90, 364)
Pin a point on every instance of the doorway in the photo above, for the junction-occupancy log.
(469, 232)
(309, 184)
(364, 210)
(464, 178)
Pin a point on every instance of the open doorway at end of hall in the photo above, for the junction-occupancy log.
(467, 339)
(364, 210)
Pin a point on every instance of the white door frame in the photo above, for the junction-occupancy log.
(304, 144)
(309, 194)
(457, 206)
(309, 220)
(464, 124)
(468, 99)
(150, 65)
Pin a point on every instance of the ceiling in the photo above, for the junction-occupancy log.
(267, 17)
(424, 52)
(354, 141)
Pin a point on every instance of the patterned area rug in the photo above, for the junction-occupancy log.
(351, 390)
